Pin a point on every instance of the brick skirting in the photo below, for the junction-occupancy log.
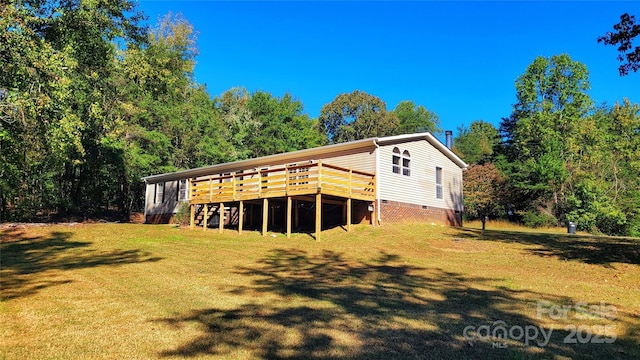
(394, 211)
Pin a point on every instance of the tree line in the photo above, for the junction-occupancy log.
(558, 157)
(92, 100)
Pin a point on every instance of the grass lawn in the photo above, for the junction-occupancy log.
(405, 291)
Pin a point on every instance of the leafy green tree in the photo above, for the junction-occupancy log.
(239, 123)
(606, 195)
(283, 125)
(483, 188)
(540, 148)
(356, 115)
(168, 121)
(260, 124)
(476, 143)
(56, 59)
(415, 119)
(625, 32)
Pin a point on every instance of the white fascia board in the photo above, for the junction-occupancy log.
(311, 154)
(430, 138)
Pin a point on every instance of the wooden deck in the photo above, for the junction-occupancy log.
(308, 179)
(314, 178)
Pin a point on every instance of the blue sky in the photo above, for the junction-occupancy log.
(459, 59)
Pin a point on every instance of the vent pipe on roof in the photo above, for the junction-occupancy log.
(448, 138)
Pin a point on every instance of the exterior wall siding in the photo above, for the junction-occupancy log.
(420, 187)
(356, 159)
(156, 204)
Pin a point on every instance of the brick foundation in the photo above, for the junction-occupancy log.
(394, 211)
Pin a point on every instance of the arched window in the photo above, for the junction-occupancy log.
(396, 160)
(406, 163)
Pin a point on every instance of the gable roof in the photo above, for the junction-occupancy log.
(309, 153)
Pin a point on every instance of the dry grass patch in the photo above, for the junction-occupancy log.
(410, 291)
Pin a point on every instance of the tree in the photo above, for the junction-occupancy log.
(625, 33)
(57, 59)
(476, 143)
(167, 121)
(606, 193)
(414, 119)
(540, 147)
(239, 123)
(283, 125)
(482, 186)
(354, 116)
(260, 124)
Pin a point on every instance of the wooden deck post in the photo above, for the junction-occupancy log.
(318, 215)
(265, 216)
(286, 179)
(240, 216)
(206, 216)
(233, 185)
(210, 188)
(348, 214)
(259, 183)
(319, 203)
(192, 216)
(288, 217)
(221, 218)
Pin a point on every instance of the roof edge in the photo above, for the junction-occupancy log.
(431, 139)
(264, 160)
(260, 161)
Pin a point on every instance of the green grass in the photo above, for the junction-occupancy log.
(407, 291)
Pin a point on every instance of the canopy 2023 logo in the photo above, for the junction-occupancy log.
(499, 333)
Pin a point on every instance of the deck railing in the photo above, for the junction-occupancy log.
(287, 180)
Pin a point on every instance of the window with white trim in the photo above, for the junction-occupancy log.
(182, 190)
(396, 160)
(439, 192)
(406, 163)
(158, 196)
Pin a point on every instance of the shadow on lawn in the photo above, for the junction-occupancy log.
(598, 250)
(328, 307)
(24, 261)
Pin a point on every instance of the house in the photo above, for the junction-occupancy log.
(375, 180)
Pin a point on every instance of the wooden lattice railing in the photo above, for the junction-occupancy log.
(288, 180)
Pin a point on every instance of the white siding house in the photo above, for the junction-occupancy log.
(414, 177)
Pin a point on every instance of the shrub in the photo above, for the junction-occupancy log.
(538, 219)
(184, 214)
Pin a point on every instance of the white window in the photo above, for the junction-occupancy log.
(396, 160)
(159, 193)
(182, 190)
(439, 194)
(406, 163)
(401, 163)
